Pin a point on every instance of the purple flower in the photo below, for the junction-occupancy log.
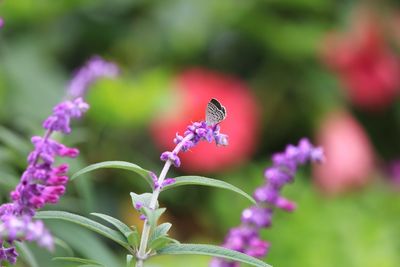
(257, 247)
(196, 132)
(246, 237)
(155, 179)
(95, 68)
(8, 254)
(43, 182)
(138, 205)
(172, 156)
(24, 228)
(257, 216)
(168, 181)
(1, 26)
(62, 114)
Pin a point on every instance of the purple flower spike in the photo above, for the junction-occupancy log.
(196, 132)
(94, 69)
(43, 182)
(246, 237)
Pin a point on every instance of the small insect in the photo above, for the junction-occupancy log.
(215, 112)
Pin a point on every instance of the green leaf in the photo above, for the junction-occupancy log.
(161, 230)
(199, 180)
(161, 242)
(152, 216)
(122, 227)
(13, 140)
(26, 254)
(133, 238)
(61, 243)
(130, 261)
(8, 179)
(85, 222)
(131, 235)
(89, 244)
(79, 260)
(210, 250)
(144, 199)
(117, 165)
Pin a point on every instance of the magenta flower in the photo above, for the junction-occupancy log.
(246, 237)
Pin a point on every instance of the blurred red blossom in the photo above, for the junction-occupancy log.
(366, 65)
(194, 88)
(349, 154)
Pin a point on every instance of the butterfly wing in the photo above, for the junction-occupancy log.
(215, 112)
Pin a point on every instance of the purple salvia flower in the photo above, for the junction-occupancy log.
(155, 179)
(246, 237)
(285, 204)
(42, 182)
(257, 247)
(62, 114)
(95, 68)
(24, 228)
(172, 156)
(168, 181)
(8, 254)
(138, 205)
(257, 216)
(196, 132)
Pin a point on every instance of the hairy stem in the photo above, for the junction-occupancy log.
(141, 255)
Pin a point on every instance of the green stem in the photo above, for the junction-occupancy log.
(142, 255)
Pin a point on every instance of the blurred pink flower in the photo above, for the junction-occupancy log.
(349, 154)
(195, 87)
(366, 65)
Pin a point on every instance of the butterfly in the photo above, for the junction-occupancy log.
(215, 112)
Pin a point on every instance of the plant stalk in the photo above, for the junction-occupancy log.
(141, 255)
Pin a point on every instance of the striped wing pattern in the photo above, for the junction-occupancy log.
(215, 112)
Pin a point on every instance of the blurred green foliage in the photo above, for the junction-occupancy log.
(272, 45)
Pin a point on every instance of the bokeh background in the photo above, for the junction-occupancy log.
(284, 69)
